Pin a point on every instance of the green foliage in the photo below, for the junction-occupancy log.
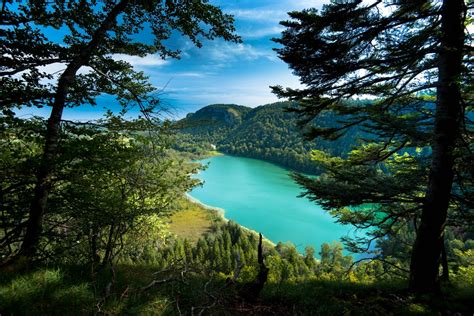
(19, 155)
(112, 180)
(229, 249)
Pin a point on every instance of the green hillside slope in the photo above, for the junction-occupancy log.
(266, 132)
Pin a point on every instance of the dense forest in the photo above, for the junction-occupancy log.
(268, 132)
(95, 216)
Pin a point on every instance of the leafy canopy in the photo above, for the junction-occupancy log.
(36, 34)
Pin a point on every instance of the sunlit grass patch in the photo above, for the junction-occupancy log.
(192, 221)
(43, 291)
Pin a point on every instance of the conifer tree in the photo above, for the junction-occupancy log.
(414, 60)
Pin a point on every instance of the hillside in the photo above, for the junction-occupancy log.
(213, 122)
(266, 132)
(199, 273)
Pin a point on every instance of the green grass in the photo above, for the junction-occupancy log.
(213, 153)
(45, 291)
(78, 291)
(193, 220)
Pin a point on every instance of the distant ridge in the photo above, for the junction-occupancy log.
(266, 132)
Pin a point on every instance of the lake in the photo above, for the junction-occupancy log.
(261, 196)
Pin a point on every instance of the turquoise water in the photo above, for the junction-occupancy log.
(262, 197)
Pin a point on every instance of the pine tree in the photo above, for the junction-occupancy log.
(414, 59)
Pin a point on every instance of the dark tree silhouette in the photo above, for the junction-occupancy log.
(412, 58)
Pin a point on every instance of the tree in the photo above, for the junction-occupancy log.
(94, 32)
(118, 179)
(20, 148)
(309, 257)
(111, 179)
(413, 58)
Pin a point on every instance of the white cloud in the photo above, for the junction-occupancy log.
(147, 61)
(277, 12)
(306, 4)
(248, 90)
(226, 52)
(191, 74)
(53, 69)
(56, 69)
(259, 15)
(261, 32)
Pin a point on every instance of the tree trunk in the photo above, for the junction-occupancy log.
(251, 291)
(444, 264)
(109, 247)
(94, 236)
(424, 268)
(43, 177)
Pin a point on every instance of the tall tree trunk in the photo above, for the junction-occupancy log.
(109, 246)
(43, 177)
(251, 291)
(424, 268)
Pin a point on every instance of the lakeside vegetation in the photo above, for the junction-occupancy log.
(192, 220)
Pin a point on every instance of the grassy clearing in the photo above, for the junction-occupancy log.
(214, 153)
(193, 220)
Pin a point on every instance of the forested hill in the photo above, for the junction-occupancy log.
(266, 132)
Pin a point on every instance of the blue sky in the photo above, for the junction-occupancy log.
(219, 72)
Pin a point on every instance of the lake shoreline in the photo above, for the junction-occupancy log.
(262, 197)
(221, 213)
